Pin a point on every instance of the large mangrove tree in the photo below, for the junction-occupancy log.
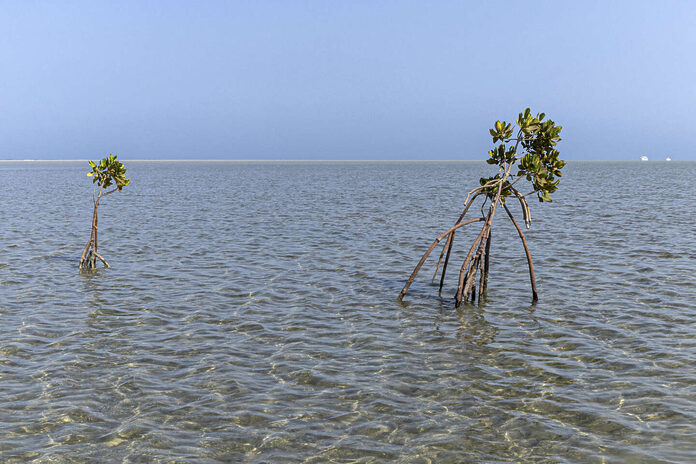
(523, 151)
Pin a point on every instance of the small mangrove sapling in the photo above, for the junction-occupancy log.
(108, 172)
(529, 145)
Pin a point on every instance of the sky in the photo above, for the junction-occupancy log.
(342, 79)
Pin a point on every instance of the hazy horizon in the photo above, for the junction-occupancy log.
(371, 160)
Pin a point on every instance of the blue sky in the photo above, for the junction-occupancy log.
(342, 80)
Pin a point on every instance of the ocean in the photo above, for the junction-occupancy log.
(251, 315)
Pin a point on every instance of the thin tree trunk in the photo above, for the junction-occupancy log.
(95, 230)
(90, 253)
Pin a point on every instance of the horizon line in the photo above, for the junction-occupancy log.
(307, 160)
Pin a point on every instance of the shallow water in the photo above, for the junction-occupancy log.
(251, 316)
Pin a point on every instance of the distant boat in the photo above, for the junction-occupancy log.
(668, 159)
(644, 158)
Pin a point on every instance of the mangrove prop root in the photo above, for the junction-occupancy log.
(477, 261)
(484, 230)
(526, 215)
(101, 259)
(535, 296)
(450, 237)
(470, 287)
(427, 253)
(486, 264)
(479, 257)
(484, 269)
(90, 256)
(468, 203)
(444, 268)
(465, 265)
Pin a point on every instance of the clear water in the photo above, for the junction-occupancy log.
(251, 316)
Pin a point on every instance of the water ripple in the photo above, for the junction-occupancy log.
(250, 316)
